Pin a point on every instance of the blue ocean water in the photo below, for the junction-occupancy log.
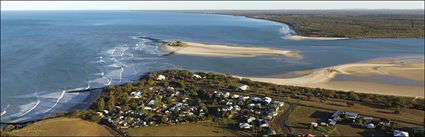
(45, 53)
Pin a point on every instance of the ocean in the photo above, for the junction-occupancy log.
(46, 53)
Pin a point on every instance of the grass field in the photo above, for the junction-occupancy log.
(301, 116)
(62, 127)
(192, 129)
(412, 116)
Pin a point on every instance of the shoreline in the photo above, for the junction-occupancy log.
(215, 50)
(325, 78)
(84, 104)
(298, 37)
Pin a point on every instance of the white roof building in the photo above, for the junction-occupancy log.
(136, 94)
(314, 124)
(256, 99)
(243, 88)
(151, 103)
(250, 119)
(245, 125)
(160, 77)
(234, 96)
(399, 133)
(196, 76)
(267, 100)
(370, 125)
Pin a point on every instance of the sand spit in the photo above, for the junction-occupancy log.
(198, 49)
(312, 38)
(324, 78)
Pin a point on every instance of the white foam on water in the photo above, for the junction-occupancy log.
(57, 101)
(122, 70)
(286, 30)
(101, 82)
(79, 89)
(111, 51)
(24, 107)
(115, 65)
(4, 111)
(101, 60)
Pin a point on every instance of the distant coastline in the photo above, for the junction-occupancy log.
(336, 24)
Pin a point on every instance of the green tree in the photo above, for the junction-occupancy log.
(353, 96)
(101, 104)
(111, 103)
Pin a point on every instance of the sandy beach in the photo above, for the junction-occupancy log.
(312, 38)
(198, 49)
(325, 78)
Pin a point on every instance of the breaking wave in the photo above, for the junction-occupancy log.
(116, 65)
(285, 30)
(32, 108)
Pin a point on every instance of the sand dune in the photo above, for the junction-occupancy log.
(312, 38)
(198, 49)
(324, 78)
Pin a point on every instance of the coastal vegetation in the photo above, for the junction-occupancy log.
(346, 23)
(182, 100)
(200, 91)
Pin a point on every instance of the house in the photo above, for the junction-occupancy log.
(268, 117)
(351, 115)
(250, 119)
(245, 126)
(264, 123)
(314, 124)
(226, 95)
(267, 100)
(100, 114)
(235, 96)
(151, 103)
(236, 108)
(332, 122)
(243, 87)
(368, 119)
(196, 76)
(160, 77)
(336, 115)
(136, 94)
(244, 98)
(399, 133)
(251, 105)
(256, 99)
(106, 111)
(370, 125)
(170, 88)
(147, 108)
(324, 124)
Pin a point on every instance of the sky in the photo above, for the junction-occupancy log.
(207, 5)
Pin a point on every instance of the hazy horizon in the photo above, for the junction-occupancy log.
(210, 5)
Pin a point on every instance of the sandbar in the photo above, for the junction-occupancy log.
(325, 78)
(213, 50)
(296, 37)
